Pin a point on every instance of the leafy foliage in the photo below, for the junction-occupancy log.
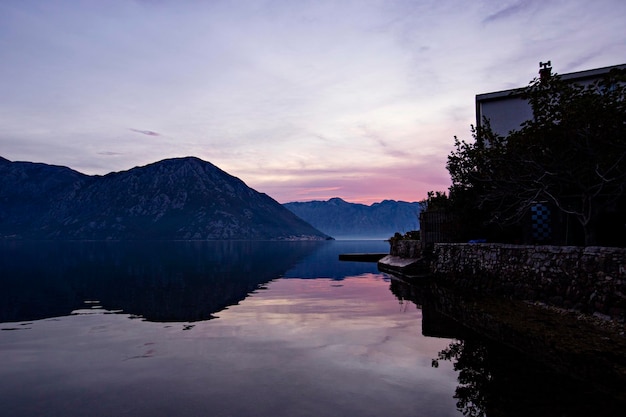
(410, 235)
(436, 201)
(470, 360)
(572, 155)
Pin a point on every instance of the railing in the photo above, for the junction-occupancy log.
(438, 227)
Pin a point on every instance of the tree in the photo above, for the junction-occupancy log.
(470, 359)
(572, 154)
(435, 201)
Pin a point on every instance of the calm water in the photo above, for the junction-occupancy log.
(241, 329)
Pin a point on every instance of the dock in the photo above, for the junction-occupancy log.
(361, 257)
(405, 267)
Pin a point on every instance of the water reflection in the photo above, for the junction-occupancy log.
(497, 381)
(322, 263)
(496, 375)
(332, 346)
(160, 281)
(328, 337)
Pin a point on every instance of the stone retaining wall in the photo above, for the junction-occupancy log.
(591, 280)
(405, 248)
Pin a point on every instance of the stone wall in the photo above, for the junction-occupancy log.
(405, 248)
(591, 280)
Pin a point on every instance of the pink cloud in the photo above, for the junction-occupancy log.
(365, 186)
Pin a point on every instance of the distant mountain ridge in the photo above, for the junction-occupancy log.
(174, 199)
(344, 220)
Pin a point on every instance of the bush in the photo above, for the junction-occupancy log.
(411, 235)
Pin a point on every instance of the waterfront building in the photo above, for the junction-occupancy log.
(506, 110)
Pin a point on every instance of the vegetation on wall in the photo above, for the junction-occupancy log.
(410, 235)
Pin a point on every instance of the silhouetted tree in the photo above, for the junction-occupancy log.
(470, 360)
(572, 154)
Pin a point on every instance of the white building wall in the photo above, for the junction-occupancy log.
(506, 111)
(506, 114)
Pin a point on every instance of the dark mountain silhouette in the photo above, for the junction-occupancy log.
(344, 220)
(181, 198)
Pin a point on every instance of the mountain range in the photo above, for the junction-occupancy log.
(174, 199)
(344, 220)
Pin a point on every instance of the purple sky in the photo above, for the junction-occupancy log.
(302, 100)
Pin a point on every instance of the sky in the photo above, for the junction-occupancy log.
(302, 100)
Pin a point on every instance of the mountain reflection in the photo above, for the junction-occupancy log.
(160, 281)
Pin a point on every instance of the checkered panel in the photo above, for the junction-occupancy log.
(541, 223)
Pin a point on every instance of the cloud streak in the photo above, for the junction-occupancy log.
(109, 153)
(145, 132)
(509, 12)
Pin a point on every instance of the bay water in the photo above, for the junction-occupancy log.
(211, 329)
(232, 329)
